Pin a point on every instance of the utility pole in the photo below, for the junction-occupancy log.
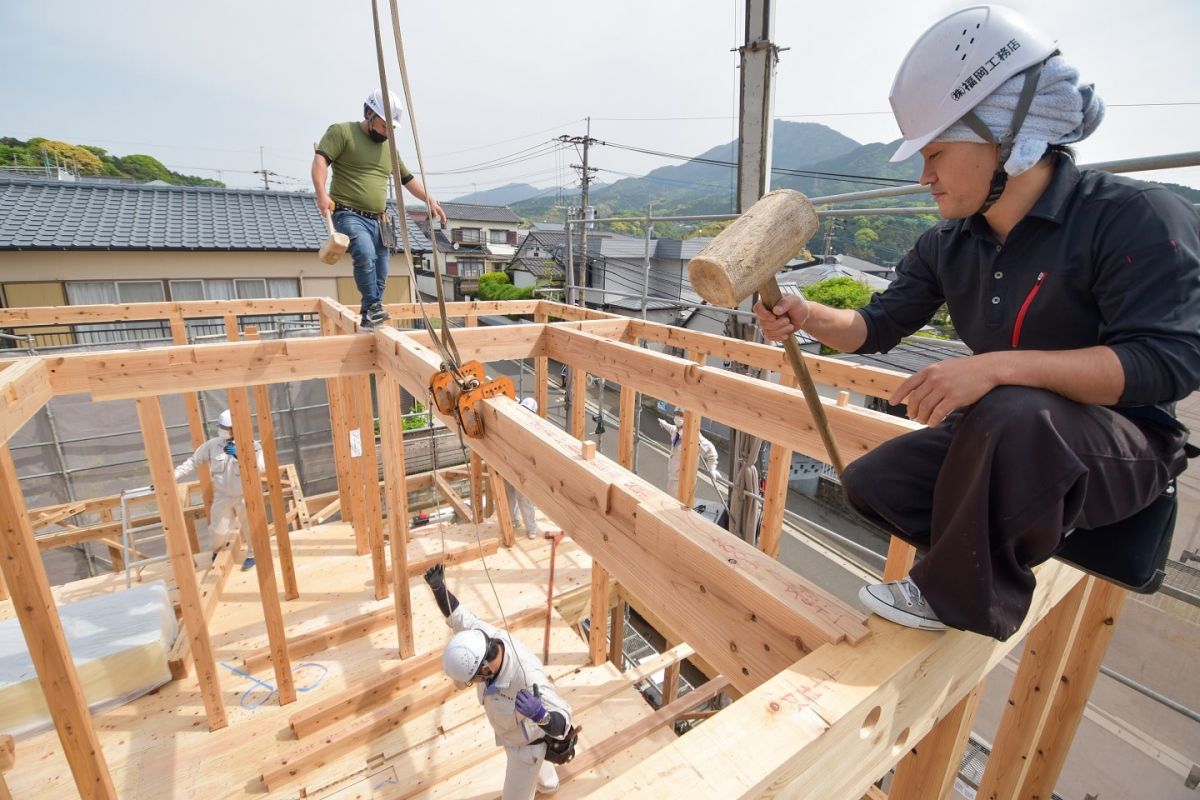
(759, 55)
(833, 224)
(262, 170)
(585, 173)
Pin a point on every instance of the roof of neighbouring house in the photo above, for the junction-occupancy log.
(478, 213)
(539, 267)
(61, 215)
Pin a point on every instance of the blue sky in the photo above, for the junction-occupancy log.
(202, 86)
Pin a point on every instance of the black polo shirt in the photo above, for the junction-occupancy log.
(1099, 260)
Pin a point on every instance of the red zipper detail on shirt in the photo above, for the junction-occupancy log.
(1016, 337)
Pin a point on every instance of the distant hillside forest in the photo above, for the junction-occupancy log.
(84, 159)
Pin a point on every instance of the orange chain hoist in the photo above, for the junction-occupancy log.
(460, 394)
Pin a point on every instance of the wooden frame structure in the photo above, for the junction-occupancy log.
(817, 684)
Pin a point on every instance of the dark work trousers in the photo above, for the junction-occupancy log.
(993, 489)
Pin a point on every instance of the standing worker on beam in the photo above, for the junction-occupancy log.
(228, 512)
(532, 723)
(1079, 296)
(357, 197)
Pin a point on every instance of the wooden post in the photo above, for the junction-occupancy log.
(689, 456)
(779, 469)
(341, 437)
(670, 688)
(477, 486)
(929, 769)
(628, 423)
(358, 477)
(266, 430)
(616, 633)
(264, 567)
(541, 366)
(115, 554)
(373, 522)
(3, 588)
(1038, 678)
(1100, 613)
(503, 513)
(578, 401)
(391, 429)
(597, 633)
(162, 473)
(191, 404)
(21, 565)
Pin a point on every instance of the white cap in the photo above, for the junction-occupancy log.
(530, 403)
(463, 655)
(225, 420)
(955, 65)
(374, 102)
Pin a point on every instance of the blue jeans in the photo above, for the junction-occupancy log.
(369, 255)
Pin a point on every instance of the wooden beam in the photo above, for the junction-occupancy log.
(929, 769)
(131, 312)
(858, 706)
(689, 454)
(1100, 613)
(574, 313)
(774, 413)
(266, 429)
(867, 380)
(476, 478)
(391, 429)
(162, 473)
(358, 475)
(33, 604)
(779, 471)
(8, 753)
(663, 717)
(1039, 675)
(191, 405)
(616, 633)
(493, 343)
(900, 558)
(211, 587)
(24, 389)
(627, 427)
(597, 631)
(670, 688)
(264, 566)
(460, 507)
(401, 311)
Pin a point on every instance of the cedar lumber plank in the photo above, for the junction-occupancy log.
(24, 388)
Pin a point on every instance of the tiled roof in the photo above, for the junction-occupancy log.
(477, 213)
(60, 215)
(540, 268)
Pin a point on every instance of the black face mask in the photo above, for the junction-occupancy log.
(376, 136)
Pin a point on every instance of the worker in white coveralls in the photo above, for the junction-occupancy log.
(532, 723)
(516, 500)
(228, 512)
(708, 452)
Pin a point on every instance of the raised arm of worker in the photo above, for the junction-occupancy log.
(418, 190)
(203, 455)
(320, 179)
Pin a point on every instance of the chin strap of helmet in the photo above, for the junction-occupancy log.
(1006, 140)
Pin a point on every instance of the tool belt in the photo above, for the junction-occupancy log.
(387, 225)
(560, 751)
(368, 214)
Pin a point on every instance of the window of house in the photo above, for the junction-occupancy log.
(470, 267)
(468, 235)
(498, 237)
(84, 293)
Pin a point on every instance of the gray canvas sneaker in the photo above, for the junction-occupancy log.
(901, 602)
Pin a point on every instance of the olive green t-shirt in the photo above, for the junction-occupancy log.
(360, 167)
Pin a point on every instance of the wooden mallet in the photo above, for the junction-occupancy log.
(335, 245)
(744, 258)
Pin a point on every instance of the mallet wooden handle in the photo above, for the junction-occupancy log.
(328, 222)
(769, 292)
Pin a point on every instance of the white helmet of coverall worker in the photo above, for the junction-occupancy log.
(529, 403)
(225, 420)
(979, 47)
(374, 102)
(463, 655)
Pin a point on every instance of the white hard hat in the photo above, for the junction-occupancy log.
(464, 653)
(955, 65)
(530, 403)
(225, 420)
(374, 102)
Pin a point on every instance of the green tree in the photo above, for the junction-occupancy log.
(840, 292)
(498, 286)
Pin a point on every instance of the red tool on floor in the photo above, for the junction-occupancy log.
(555, 537)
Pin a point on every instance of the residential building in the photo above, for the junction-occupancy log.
(476, 239)
(87, 242)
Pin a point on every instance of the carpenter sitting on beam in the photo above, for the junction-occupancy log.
(1078, 293)
(532, 723)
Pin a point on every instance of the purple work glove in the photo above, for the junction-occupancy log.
(530, 706)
